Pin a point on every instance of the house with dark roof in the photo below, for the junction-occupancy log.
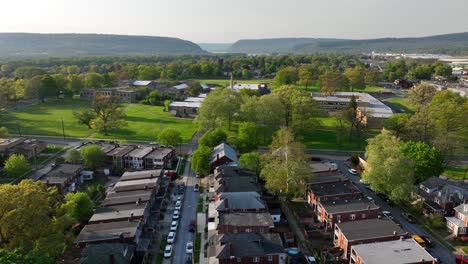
(401, 251)
(334, 211)
(137, 185)
(329, 191)
(108, 253)
(113, 232)
(223, 154)
(122, 198)
(236, 184)
(441, 196)
(352, 233)
(66, 177)
(237, 202)
(159, 158)
(28, 147)
(236, 222)
(135, 159)
(140, 175)
(117, 156)
(246, 248)
(458, 224)
(326, 178)
(113, 213)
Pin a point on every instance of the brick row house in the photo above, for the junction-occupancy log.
(124, 221)
(239, 222)
(458, 224)
(28, 147)
(65, 177)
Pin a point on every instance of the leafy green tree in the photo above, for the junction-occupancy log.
(218, 107)
(169, 137)
(213, 138)
(93, 156)
(443, 70)
(194, 88)
(372, 76)
(421, 72)
(356, 77)
(389, 171)
(285, 167)
(395, 70)
(427, 160)
(109, 113)
(247, 137)
(305, 75)
(28, 72)
(421, 95)
(333, 81)
(19, 256)
(75, 83)
(201, 159)
(397, 123)
(286, 76)
(251, 161)
(166, 105)
(93, 80)
(3, 132)
(78, 206)
(16, 165)
(73, 156)
(84, 116)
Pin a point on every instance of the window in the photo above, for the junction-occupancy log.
(255, 259)
(352, 217)
(338, 217)
(239, 259)
(363, 216)
(270, 258)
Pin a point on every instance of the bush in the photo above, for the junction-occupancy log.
(435, 222)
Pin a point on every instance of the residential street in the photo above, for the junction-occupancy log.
(443, 253)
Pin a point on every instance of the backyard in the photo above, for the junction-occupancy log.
(143, 122)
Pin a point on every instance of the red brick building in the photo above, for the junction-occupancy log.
(244, 223)
(329, 191)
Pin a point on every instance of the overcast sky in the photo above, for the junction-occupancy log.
(221, 21)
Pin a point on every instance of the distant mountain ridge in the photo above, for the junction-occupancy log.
(456, 43)
(55, 45)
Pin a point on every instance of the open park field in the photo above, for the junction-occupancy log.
(143, 122)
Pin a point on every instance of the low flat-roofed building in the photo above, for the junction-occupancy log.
(323, 192)
(123, 95)
(135, 159)
(140, 175)
(116, 157)
(334, 211)
(160, 157)
(121, 231)
(121, 198)
(136, 185)
(352, 233)
(119, 213)
(28, 147)
(108, 253)
(402, 251)
(185, 108)
(244, 222)
(66, 177)
(236, 184)
(326, 178)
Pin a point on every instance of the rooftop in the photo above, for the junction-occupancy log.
(122, 186)
(139, 175)
(462, 209)
(159, 153)
(100, 253)
(181, 86)
(236, 184)
(327, 177)
(61, 173)
(185, 104)
(118, 212)
(245, 219)
(244, 245)
(140, 152)
(120, 151)
(347, 205)
(334, 189)
(370, 228)
(108, 231)
(222, 150)
(240, 200)
(127, 198)
(141, 83)
(392, 252)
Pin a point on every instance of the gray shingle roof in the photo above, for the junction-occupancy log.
(347, 205)
(108, 231)
(138, 175)
(222, 150)
(239, 200)
(370, 228)
(245, 219)
(100, 253)
(244, 245)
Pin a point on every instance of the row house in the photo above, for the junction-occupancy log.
(160, 158)
(401, 251)
(458, 224)
(244, 223)
(65, 177)
(136, 158)
(367, 231)
(139, 157)
(330, 191)
(122, 95)
(223, 155)
(441, 196)
(335, 211)
(237, 202)
(28, 147)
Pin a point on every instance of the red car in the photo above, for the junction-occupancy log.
(461, 259)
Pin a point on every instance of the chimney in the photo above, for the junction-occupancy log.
(394, 233)
(401, 238)
(231, 250)
(138, 201)
(131, 217)
(111, 259)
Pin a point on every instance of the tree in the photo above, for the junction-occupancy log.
(47, 88)
(251, 161)
(73, 156)
(75, 83)
(29, 219)
(61, 85)
(201, 159)
(247, 137)
(333, 81)
(443, 70)
(421, 95)
(356, 77)
(397, 123)
(28, 72)
(84, 116)
(285, 167)
(213, 138)
(16, 165)
(109, 113)
(93, 80)
(218, 107)
(286, 76)
(169, 137)
(194, 88)
(93, 156)
(19, 256)
(395, 70)
(78, 206)
(421, 72)
(3, 132)
(427, 160)
(166, 105)
(389, 171)
(305, 75)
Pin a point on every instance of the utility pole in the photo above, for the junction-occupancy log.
(63, 129)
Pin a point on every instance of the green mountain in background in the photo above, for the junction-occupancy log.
(215, 47)
(454, 44)
(59, 45)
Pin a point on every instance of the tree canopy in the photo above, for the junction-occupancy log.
(16, 165)
(93, 156)
(169, 137)
(201, 159)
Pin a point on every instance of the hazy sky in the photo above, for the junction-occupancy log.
(230, 20)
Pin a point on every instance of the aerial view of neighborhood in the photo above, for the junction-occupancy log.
(234, 132)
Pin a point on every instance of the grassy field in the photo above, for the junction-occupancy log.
(143, 121)
(456, 172)
(224, 82)
(402, 103)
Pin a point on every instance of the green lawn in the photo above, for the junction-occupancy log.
(143, 121)
(456, 172)
(224, 82)
(402, 103)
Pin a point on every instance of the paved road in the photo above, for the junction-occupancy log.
(443, 253)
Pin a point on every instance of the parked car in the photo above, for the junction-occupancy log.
(178, 205)
(171, 237)
(353, 171)
(370, 198)
(174, 225)
(461, 260)
(176, 215)
(195, 189)
(428, 241)
(189, 248)
(193, 226)
(168, 251)
(408, 217)
(311, 260)
(387, 214)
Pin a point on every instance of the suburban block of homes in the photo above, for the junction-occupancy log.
(121, 229)
(240, 225)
